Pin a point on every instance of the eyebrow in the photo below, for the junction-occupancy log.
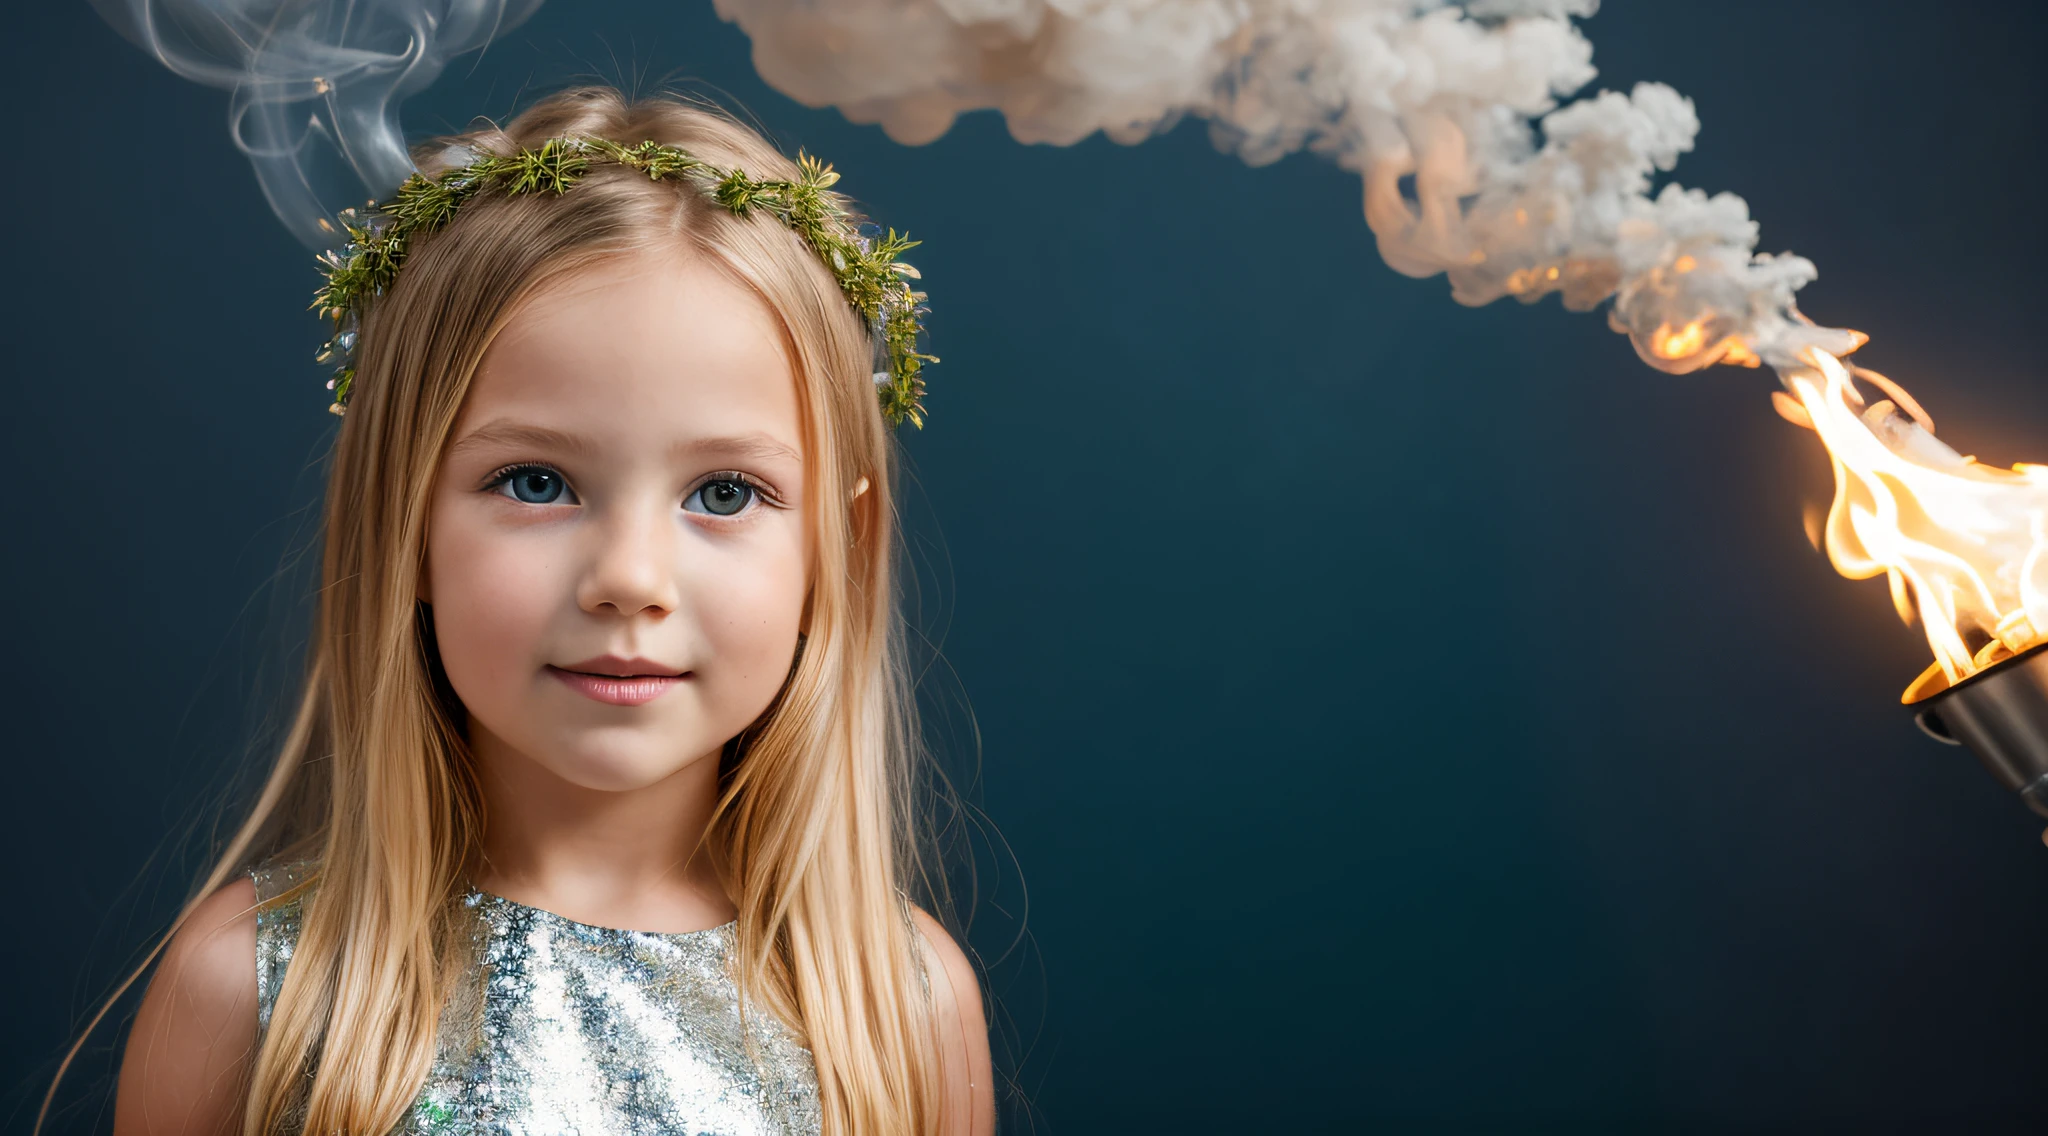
(754, 445)
(505, 432)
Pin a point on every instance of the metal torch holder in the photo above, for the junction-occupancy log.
(2001, 713)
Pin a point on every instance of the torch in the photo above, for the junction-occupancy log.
(1964, 546)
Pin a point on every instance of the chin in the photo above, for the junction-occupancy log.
(619, 768)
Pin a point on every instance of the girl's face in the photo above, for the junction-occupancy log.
(617, 548)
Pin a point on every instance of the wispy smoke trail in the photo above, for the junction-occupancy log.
(316, 83)
(1448, 111)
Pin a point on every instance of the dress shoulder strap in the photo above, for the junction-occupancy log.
(281, 890)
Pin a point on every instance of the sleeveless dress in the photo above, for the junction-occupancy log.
(564, 1028)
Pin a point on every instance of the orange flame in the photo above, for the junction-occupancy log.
(1738, 353)
(1961, 543)
(1681, 344)
(1691, 340)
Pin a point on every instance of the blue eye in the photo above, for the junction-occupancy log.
(722, 497)
(534, 485)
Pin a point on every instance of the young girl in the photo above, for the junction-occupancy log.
(598, 812)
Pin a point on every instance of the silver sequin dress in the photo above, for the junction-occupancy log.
(568, 1028)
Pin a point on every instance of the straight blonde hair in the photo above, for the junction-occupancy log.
(816, 831)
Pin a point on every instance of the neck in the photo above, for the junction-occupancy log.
(612, 858)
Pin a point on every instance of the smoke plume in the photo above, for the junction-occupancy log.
(1449, 112)
(316, 83)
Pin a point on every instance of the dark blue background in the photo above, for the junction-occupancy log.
(1405, 717)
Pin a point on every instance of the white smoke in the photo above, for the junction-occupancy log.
(316, 83)
(1449, 112)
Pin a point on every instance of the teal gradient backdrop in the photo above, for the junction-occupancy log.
(1406, 718)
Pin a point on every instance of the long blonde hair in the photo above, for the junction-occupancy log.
(815, 826)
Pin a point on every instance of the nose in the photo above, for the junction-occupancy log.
(632, 570)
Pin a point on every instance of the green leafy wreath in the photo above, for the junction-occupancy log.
(862, 259)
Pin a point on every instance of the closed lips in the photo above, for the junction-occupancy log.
(619, 682)
(611, 666)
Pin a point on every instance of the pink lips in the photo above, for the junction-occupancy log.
(617, 681)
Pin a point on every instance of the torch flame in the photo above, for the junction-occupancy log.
(1683, 343)
(1961, 543)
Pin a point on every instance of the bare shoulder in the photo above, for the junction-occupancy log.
(965, 1071)
(212, 959)
(955, 988)
(185, 1070)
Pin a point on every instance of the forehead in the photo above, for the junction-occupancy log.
(654, 347)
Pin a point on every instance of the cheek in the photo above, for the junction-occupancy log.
(493, 598)
(749, 615)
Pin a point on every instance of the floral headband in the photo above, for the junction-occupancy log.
(861, 258)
